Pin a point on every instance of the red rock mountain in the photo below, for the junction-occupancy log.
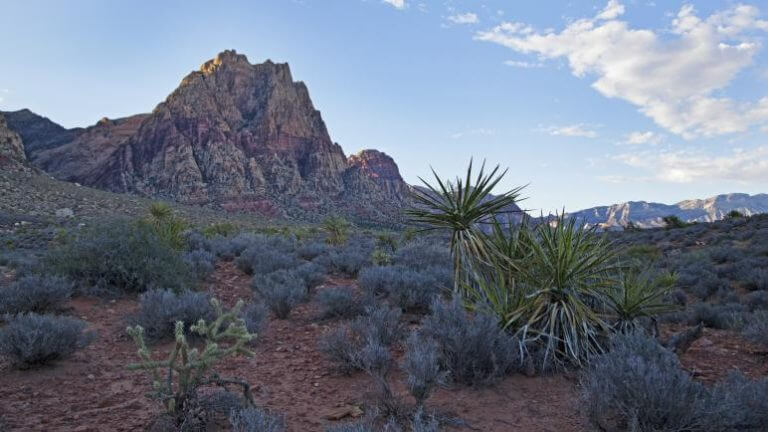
(233, 134)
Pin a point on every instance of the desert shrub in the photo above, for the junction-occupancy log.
(32, 339)
(229, 248)
(254, 419)
(312, 250)
(757, 300)
(159, 310)
(197, 241)
(673, 221)
(421, 366)
(474, 350)
(361, 426)
(409, 289)
(281, 290)
(378, 326)
(724, 254)
(708, 284)
(678, 297)
(311, 273)
(424, 423)
(638, 385)
(339, 302)
(223, 229)
(381, 323)
(254, 314)
(342, 347)
(733, 270)
(421, 254)
(119, 257)
(725, 316)
(35, 294)
(756, 329)
(643, 253)
(265, 258)
(200, 262)
(738, 403)
(349, 261)
(757, 279)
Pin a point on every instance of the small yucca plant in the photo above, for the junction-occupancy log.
(460, 208)
(167, 225)
(337, 229)
(637, 296)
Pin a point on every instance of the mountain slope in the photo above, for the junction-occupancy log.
(648, 214)
(12, 157)
(235, 135)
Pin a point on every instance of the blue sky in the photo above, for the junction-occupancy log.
(588, 103)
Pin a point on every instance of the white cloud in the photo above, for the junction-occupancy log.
(673, 77)
(523, 64)
(473, 132)
(639, 138)
(399, 4)
(686, 166)
(464, 18)
(574, 130)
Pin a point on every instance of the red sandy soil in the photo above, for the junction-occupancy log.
(93, 391)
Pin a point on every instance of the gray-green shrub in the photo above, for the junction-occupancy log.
(474, 350)
(32, 339)
(35, 294)
(254, 419)
(281, 290)
(121, 256)
(159, 310)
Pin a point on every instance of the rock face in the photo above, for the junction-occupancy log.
(233, 134)
(648, 214)
(12, 155)
(374, 173)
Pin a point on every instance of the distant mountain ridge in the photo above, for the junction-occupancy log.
(235, 135)
(649, 214)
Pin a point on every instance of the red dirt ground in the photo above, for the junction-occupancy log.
(93, 391)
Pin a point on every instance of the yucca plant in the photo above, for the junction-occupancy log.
(167, 225)
(637, 296)
(337, 229)
(563, 273)
(460, 208)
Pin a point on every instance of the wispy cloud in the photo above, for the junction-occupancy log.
(686, 166)
(523, 64)
(464, 18)
(674, 76)
(642, 138)
(574, 130)
(399, 4)
(473, 132)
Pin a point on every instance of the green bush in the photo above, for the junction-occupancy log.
(120, 256)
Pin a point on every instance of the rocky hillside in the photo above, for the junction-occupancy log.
(648, 214)
(234, 135)
(12, 157)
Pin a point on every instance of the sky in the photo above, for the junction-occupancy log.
(586, 103)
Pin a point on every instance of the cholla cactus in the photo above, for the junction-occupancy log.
(176, 379)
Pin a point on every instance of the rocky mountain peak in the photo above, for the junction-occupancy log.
(375, 164)
(233, 134)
